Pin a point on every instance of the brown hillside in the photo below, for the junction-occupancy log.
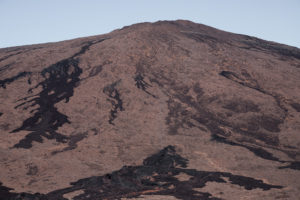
(165, 110)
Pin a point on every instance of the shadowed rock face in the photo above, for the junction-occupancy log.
(215, 114)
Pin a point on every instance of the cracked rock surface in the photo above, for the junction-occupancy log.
(164, 110)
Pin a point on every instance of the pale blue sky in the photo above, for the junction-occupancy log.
(39, 21)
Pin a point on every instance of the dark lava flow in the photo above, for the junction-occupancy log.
(5, 67)
(261, 45)
(19, 51)
(9, 80)
(140, 83)
(260, 152)
(72, 143)
(268, 124)
(10, 55)
(157, 176)
(296, 106)
(179, 116)
(60, 79)
(247, 81)
(114, 98)
(292, 165)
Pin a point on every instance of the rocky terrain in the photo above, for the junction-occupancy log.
(166, 110)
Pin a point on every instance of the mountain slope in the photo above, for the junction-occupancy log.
(170, 109)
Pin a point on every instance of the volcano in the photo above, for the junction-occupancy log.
(165, 110)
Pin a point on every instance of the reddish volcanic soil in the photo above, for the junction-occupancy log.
(166, 110)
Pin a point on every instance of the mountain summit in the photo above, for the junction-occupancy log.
(165, 110)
